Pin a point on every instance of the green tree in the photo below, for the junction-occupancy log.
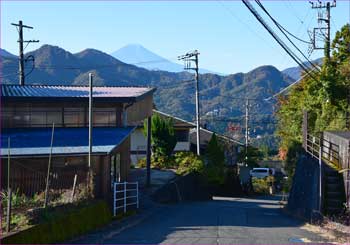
(264, 149)
(252, 157)
(325, 98)
(215, 161)
(163, 136)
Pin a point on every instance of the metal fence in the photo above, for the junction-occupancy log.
(318, 147)
(126, 196)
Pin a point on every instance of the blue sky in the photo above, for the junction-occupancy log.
(228, 37)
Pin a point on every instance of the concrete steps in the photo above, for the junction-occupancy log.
(334, 191)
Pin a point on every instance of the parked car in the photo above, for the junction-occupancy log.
(261, 173)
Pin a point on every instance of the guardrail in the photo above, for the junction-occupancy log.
(329, 151)
(126, 194)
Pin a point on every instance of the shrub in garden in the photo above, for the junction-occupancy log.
(163, 136)
(215, 162)
(188, 162)
(262, 186)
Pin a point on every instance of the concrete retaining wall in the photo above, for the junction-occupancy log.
(304, 198)
(190, 187)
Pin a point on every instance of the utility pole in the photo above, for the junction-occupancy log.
(188, 58)
(21, 54)
(246, 130)
(90, 117)
(323, 32)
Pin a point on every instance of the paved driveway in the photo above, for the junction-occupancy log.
(221, 221)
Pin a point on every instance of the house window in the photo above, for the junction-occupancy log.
(7, 117)
(181, 135)
(22, 117)
(74, 117)
(54, 117)
(105, 117)
(38, 117)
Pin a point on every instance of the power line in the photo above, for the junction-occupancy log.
(55, 67)
(283, 30)
(188, 58)
(278, 40)
(286, 88)
(244, 23)
(20, 27)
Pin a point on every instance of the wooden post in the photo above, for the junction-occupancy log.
(9, 192)
(305, 128)
(320, 174)
(125, 197)
(148, 159)
(49, 168)
(73, 189)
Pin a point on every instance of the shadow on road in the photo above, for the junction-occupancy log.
(222, 220)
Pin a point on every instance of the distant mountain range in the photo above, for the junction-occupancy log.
(223, 95)
(138, 55)
(4, 53)
(295, 72)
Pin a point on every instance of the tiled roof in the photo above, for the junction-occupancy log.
(36, 141)
(60, 92)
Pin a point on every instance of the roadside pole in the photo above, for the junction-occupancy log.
(9, 192)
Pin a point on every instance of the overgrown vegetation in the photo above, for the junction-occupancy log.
(263, 185)
(211, 165)
(66, 222)
(188, 162)
(23, 207)
(325, 98)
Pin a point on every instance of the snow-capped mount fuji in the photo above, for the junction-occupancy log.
(138, 55)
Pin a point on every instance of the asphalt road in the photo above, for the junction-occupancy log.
(221, 221)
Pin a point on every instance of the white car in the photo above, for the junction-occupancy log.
(261, 173)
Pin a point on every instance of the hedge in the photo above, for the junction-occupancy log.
(64, 227)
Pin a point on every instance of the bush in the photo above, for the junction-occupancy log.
(262, 186)
(187, 162)
(215, 159)
(159, 162)
(141, 163)
(65, 226)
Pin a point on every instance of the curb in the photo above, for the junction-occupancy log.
(112, 229)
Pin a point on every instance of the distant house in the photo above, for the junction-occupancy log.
(231, 146)
(186, 140)
(28, 113)
(182, 131)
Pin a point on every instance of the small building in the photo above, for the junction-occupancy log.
(182, 132)
(186, 139)
(28, 113)
(231, 146)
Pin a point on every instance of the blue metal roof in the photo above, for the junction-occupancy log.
(36, 141)
(64, 93)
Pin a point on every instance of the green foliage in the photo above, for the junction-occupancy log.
(264, 149)
(159, 162)
(262, 186)
(188, 162)
(325, 98)
(163, 136)
(254, 155)
(291, 158)
(215, 162)
(21, 200)
(64, 227)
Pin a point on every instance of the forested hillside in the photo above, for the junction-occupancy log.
(222, 97)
